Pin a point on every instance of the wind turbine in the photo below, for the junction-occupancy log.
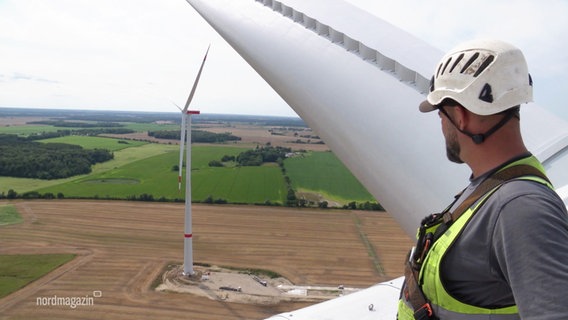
(186, 127)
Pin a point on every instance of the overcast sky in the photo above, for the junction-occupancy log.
(144, 54)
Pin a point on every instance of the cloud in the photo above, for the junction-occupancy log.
(537, 27)
(140, 54)
(26, 77)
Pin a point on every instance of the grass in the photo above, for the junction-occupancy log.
(322, 172)
(240, 184)
(87, 142)
(142, 127)
(17, 271)
(121, 158)
(28, 129)
(154, 175)
(9, 215)
(148, 169)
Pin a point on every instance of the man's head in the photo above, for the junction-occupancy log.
(477, 89)
(484, 76)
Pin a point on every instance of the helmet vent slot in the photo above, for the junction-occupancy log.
(484, 65)
(446, 65)
(439, 68)
(470, 62)
(456, 63)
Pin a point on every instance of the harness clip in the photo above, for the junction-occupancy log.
(424, 313)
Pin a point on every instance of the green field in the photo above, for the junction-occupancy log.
(240, 184)
(154, 176)
(142, 127)
(121, 158)
(322, 172)
(147, 169)
(16, 271)
(27, 130)
(9, 215)
(87, 142)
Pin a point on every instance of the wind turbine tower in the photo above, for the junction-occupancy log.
(188, 232)
(186, 127)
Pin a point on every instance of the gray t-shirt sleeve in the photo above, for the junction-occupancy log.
(529, 246)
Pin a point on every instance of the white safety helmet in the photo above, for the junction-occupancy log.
(484, 76)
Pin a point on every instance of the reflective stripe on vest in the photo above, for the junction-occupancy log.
(443, 304)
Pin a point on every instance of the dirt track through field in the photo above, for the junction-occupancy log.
(122, 247)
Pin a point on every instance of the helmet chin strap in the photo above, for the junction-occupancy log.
(478, 138)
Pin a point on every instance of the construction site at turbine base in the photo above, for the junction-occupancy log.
(240, 286)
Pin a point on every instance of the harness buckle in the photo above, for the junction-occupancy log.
(424, 313)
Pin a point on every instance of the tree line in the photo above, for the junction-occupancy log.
(77, 124)
(78, 132)
(22, 158)
(12, 195)
(196, 136)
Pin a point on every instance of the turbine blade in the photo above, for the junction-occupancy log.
(175, 104)
(196, 81)
(181, 148)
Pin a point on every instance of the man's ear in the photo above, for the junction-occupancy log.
(461, 117)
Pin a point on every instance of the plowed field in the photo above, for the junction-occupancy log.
(122, 247)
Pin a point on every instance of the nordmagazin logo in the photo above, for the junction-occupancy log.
(71, 302)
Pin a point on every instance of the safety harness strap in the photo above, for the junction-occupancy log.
(415, 296)
(413, 292)
(492, 182)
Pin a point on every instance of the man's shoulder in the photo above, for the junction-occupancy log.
(522, 199)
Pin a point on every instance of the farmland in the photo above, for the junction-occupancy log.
(120, 248)
(96, 142)
(321, 172)
(17, 271)
(117, 249)
(140, 168)
(154, 175)
(9, 215)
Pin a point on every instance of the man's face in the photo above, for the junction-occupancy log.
(451, 135)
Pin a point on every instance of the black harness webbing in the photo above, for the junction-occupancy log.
(412, 290)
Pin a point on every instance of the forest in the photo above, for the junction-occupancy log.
(22, 158)
(196, 136)
(256, 157)
(78, 132)
(77, 124)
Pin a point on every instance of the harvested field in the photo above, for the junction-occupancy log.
(18, 121)
(251, 136)
(122, 247)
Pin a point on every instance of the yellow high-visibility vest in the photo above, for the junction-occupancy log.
(442, 303)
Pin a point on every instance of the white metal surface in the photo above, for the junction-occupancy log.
(370, 304)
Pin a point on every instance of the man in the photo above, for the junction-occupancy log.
(500, 250)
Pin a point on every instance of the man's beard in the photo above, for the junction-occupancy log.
(453, 147)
